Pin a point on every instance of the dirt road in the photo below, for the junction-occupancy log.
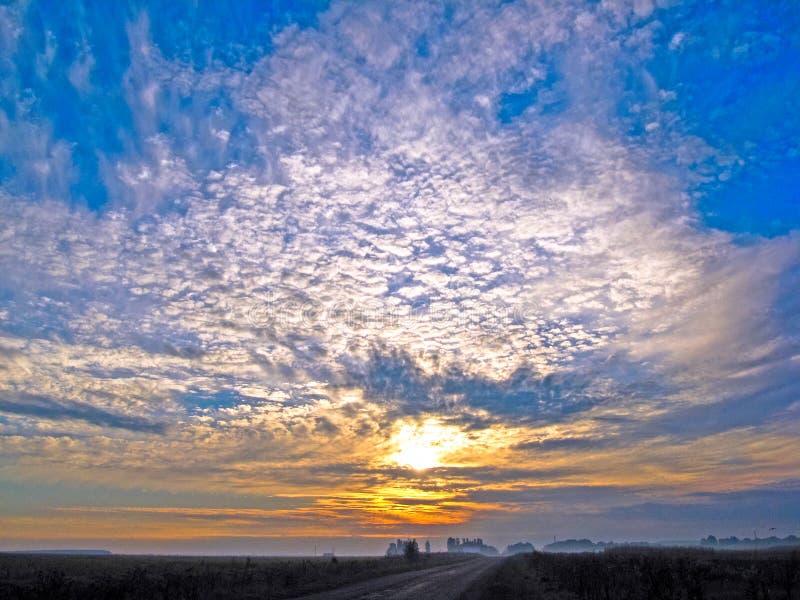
(438, 583)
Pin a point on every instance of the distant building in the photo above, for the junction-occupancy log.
(428, 547)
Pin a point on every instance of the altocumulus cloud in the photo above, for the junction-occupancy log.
(266, 257)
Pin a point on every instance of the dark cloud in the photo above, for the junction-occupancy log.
(760, 399)
(394, 376)
(45, 408)
(566, 443)
(751, 508)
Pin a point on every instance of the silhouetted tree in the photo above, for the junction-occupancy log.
(411, 550)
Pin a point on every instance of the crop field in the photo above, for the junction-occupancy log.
(620, 573)
(55, 577)
(648, 574)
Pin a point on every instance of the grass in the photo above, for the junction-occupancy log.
(56, 577)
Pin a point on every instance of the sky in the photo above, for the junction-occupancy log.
(277, 274)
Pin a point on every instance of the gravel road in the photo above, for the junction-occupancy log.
(439, 583)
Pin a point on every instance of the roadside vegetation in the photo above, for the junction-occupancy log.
(57, 577)
(647, 574)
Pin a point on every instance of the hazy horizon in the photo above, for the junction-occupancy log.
(273, 272)
(299, 547)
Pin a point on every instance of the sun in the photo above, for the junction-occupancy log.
(424, 446)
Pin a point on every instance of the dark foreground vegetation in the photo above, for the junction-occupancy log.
(648, 574)
(57, 577)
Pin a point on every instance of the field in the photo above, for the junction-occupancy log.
(629, 573)
(648, 574)
(55, 577)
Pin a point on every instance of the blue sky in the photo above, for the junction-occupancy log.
(325, 269)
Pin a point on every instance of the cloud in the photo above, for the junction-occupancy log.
(44, 408)
(486, 216)
(761, 508)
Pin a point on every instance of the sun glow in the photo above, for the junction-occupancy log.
(425, 446)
